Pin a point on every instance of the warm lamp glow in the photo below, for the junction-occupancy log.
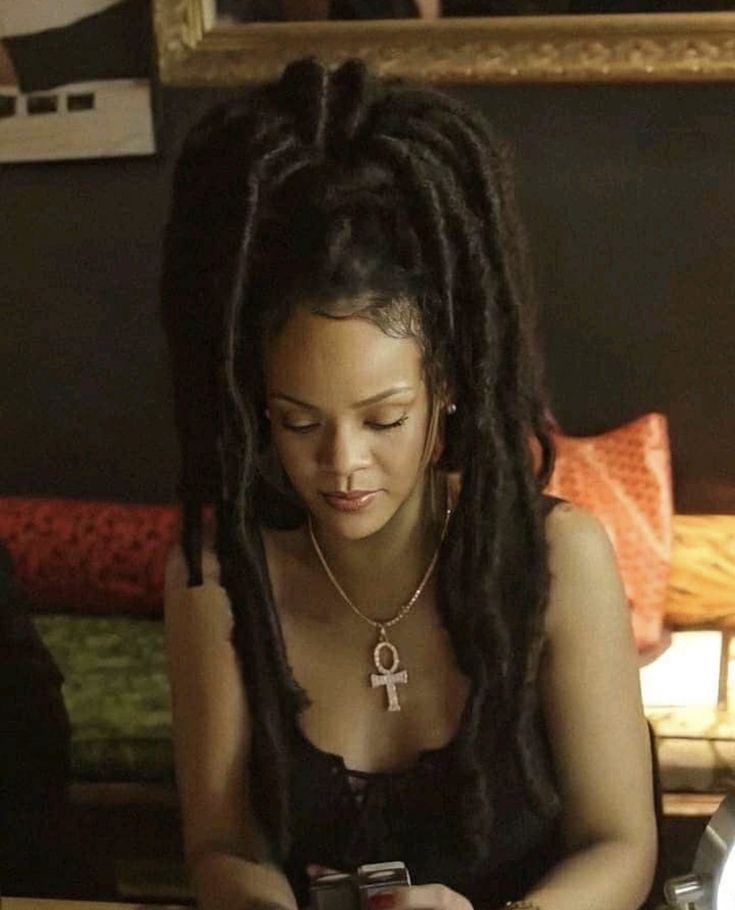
(686, 674)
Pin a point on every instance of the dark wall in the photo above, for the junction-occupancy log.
(629, 196)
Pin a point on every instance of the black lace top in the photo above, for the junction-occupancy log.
(343, 818)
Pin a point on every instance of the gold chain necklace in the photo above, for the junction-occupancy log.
(388, 676)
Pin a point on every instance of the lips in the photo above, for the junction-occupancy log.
(353, 501)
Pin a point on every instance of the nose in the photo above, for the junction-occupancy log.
(342, 451)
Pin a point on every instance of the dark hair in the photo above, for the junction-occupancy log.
(331, 186)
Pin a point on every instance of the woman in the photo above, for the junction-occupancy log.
(393, 647)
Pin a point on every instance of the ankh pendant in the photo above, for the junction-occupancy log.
(387, 676)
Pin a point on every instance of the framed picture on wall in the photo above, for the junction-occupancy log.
(233, 42)
(75, 79)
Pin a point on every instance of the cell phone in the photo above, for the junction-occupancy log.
(344, 891)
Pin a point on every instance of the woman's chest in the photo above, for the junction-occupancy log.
(375, 720)
(350, 713)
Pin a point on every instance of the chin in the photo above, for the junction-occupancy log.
(351, 525)
(354, 533)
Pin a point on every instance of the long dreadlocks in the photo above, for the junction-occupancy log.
(353, 195)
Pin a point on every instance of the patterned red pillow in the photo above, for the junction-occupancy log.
(624, 478)
(91, 557)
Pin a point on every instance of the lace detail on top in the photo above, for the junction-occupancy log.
(361, 778)
(358, 785)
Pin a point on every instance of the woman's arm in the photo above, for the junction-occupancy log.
(591, 695)
(226, 851)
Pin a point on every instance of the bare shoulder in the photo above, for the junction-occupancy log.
(566, 521)
(573, 533)
(583, 568)
(282, 549)
(177, 570)
(193, 614)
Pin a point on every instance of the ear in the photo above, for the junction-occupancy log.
(444, 397)
(447, 394)
(441, 429)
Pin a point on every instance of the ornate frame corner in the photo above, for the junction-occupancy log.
(660, 47)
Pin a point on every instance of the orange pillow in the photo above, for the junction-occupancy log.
(89, 557)
(624, 478)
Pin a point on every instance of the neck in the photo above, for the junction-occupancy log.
(381, 572)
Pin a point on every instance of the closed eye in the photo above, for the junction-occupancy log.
(380, 427)
(390, 426)
(302, 428)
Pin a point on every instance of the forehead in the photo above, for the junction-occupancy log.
(338, 361)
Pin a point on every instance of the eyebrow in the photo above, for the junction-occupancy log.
(374, 399)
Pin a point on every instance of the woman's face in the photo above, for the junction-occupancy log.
(349, 412)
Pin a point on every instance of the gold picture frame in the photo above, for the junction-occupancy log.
(657, 47)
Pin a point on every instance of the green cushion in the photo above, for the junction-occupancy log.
(117, 694)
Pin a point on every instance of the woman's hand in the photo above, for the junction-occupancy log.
(419, 897)
(412, 897)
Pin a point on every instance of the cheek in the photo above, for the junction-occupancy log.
(410, 449)
(400, 456)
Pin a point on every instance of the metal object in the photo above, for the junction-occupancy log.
(342, 891)
(684, 890)
(711, 884)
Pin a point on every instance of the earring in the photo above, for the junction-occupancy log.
(451, 408)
